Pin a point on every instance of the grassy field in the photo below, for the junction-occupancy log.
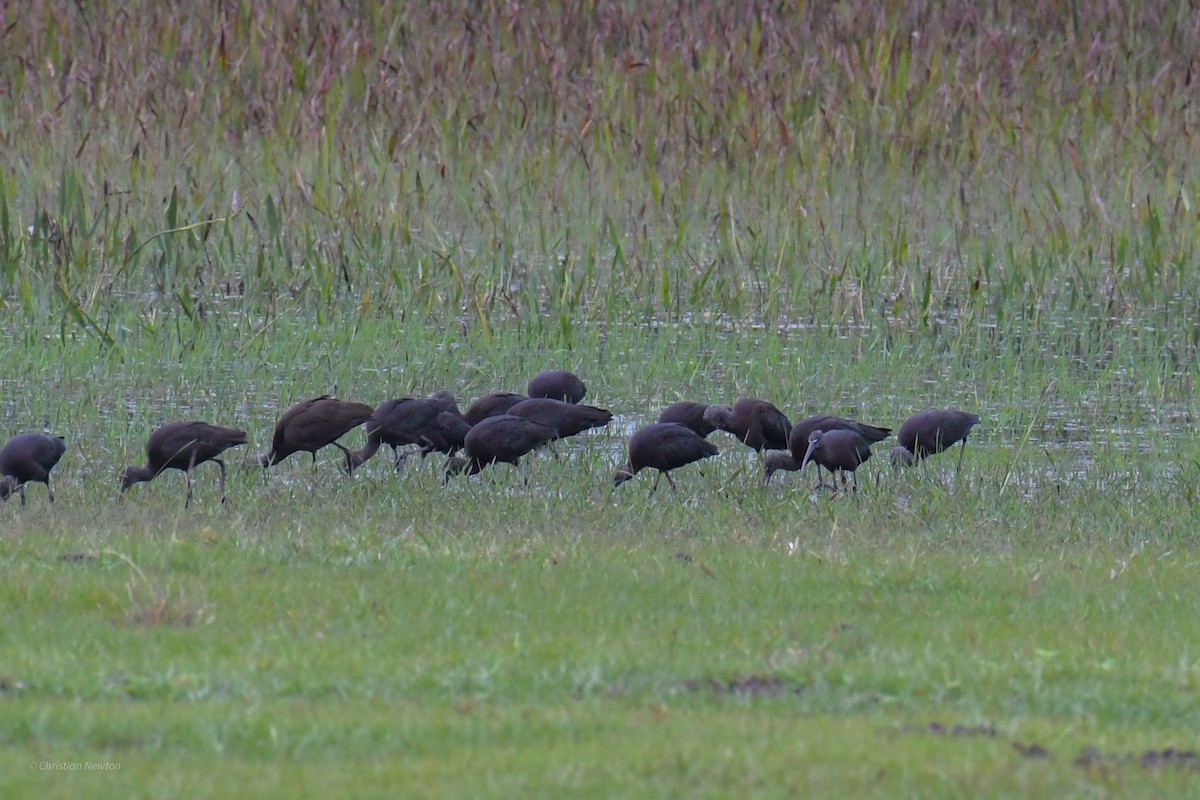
(216, 213)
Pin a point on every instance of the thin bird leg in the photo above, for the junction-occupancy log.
(187, 473)
(21, 489)
(821, 484)
(657, 478)
(671, 483)
(401, 456)
(221, 477)
(349, 463)
(48, 489)
(961, 451)
(832, 477)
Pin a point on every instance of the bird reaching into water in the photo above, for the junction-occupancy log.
(29, 457)
(933, 431)
(663, 446)
(184, 446)
(756, 423)
(798, 442)
(408, 421)
(500, 439)
(313, 424)
(839, 452)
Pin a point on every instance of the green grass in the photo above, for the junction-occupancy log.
(491, 638)
(549, 662)
(216, 213)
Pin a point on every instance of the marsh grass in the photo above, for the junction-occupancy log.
(541, 633)
(905, 165)
(214, 213)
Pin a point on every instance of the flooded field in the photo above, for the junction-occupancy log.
(1067, 428)
(217, 212)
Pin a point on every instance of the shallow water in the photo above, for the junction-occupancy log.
(1114, 426)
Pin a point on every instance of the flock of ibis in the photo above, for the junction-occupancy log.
(501, 427)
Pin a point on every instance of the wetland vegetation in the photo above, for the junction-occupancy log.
(213, 213)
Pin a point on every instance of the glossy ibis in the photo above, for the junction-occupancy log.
(406, 421)
(837, 451)
(451, 429)
(29, 457)
(566, 418)
(757, 423)
(685, 412)
(313, 424)
(558, 384)
(446, 435)
(932, 431)
(663, 446)
(503, 438)
(780, 461)
(491, 405)
(184, 446)
(802, 430)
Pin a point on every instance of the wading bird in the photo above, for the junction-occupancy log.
(184, 446)
(313, 424)
(932, 431)
(558, 384)
(798, 442)
(568, 419)
(29, 457)
(663, 446)
(685, 412)
(452, 429)
(502, 438)
(491, 405)
(756, 423)
(408, 421)
(837, 451)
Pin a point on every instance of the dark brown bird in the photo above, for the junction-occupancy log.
(491, 405)
(757, 423)
(29, 457)
(408, 421)
(685, 412)
(566, 418)
(313, 424)
(451, 429)
(663, 446)
(502, 438)
(802, 430)
(184, 446)
(933, 431)
(781, 461)
(446, 435)
(558, 384)
(837, 451)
